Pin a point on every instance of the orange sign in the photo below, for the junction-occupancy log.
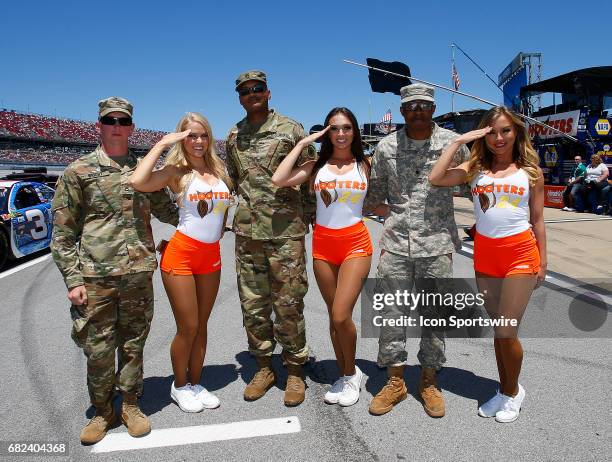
(553, 196)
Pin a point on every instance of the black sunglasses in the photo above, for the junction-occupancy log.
(123, 121)
(259, 88)
(421, 105)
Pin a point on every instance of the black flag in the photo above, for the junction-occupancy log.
(382, 82)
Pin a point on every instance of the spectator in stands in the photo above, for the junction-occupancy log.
(573, 184)
(594, 182)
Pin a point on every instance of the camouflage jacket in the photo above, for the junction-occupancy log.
(101, 226)
(265, 211)
(421, 221)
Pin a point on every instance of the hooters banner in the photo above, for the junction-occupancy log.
(553, 196)
(567, 122)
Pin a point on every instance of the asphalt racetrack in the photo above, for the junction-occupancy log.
(565, 416)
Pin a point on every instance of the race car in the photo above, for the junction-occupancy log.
(26, 220)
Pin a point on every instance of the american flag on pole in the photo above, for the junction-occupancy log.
(386, 119)
(385, 123)
(455, 77)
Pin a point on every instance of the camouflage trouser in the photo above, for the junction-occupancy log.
(392, 340)
(118, 315)
(272, 275)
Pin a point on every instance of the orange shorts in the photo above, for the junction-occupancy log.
(337, 245)
(501, 257)
(185, 256)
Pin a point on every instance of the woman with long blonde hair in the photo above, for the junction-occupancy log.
(510, 242)
(191, 262)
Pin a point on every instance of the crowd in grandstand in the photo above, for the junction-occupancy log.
(40, 156)
(33, 133)
(47, 128)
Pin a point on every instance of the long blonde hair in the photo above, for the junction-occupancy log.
(523, 153)
(179, 158)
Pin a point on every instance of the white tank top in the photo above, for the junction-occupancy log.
(203, 209)
(501, 205)
(340, 197)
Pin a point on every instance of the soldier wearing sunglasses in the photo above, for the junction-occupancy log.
(418, 240)
(270, 224)
(103, 246)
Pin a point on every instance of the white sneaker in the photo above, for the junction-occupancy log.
(185, 398)
(511, 408)
(334, 393)
(491, 407)
(208, 400)
(352, 387)
(566, 209)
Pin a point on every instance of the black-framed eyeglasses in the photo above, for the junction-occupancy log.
(122, 121)
(418, 106)
(344, 128)
(258, 88)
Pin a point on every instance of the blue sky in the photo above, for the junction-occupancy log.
(170, 57)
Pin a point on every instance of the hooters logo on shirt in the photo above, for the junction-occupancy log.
(206, 203)
(488, 199)
(350, 191)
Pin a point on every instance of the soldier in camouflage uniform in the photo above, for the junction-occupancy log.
(270, 224)
(103, 246)
(418, 239)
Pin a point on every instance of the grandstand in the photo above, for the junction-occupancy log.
(36, 139)
(46, 140)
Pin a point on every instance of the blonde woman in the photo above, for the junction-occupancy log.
(191, 262)
(510, 241)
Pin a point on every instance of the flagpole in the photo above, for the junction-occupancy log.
(370, 116)
(452, 80)
(482, 100)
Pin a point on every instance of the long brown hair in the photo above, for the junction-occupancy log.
(179, 158)
(327, 148)
(523, 153)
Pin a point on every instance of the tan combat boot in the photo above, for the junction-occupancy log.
(296, 388)
(132, 417)
(97, 427)
(262, 381)
(433, 401)
(394, 392)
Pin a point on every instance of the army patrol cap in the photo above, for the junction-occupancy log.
(114, 104)
(417, 91)
(251, 75)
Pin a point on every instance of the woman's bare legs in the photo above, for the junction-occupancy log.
(326, 275)
(182, 294)
(507, 297)
(207, 287)
(192, 299)
(340, 299)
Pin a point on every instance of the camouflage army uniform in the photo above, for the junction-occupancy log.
(102, 239)
(270, 224)
(420, 233)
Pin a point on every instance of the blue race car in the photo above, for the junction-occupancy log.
(26, 220)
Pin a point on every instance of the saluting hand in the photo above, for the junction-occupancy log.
(473, 135)
(173, 138)
(315, 136)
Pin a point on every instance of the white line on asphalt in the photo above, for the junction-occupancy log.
(199, 434)
(570, 220)
(24, 266)
(564, 220)
(467, 250)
